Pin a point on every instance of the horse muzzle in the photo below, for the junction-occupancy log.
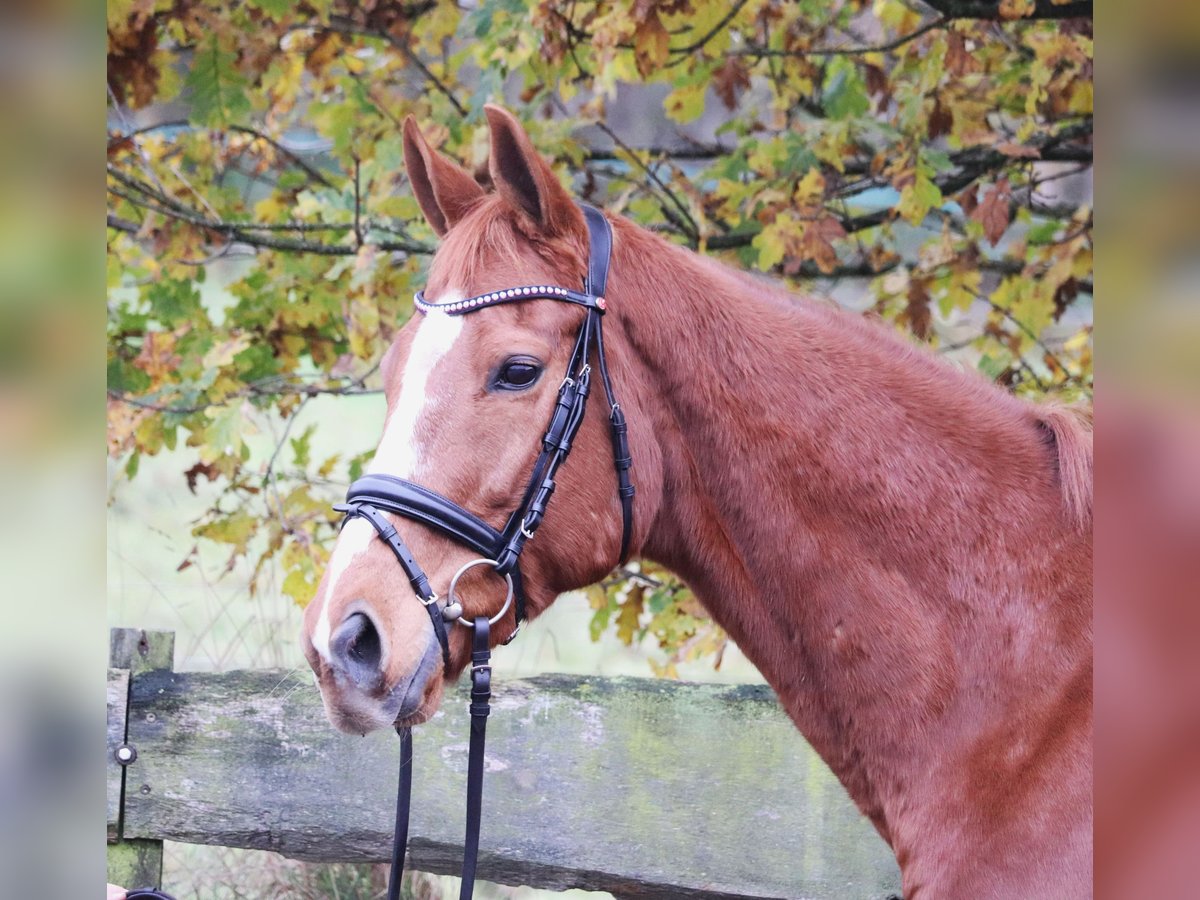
(354, 685)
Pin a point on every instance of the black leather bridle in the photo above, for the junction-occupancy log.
(373, 495)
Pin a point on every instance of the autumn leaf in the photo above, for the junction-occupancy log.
(916, 309)
(816, 243)
(1018, 151)
(629, 617)
(918, 198)
(158, 357)
(993, 211)
(941, 120)
(729, 80)
(1016, 9)
(651, 44)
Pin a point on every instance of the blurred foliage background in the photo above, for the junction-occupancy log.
(926, 162)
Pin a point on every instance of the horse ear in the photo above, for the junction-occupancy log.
(525, 180)
(444, 190)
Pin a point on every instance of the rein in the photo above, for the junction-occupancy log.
(373, 495)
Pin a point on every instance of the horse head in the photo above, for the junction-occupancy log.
(468, 399)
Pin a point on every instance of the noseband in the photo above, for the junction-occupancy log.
(373, 495)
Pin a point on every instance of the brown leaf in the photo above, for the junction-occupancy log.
(729, 80)
(878, 85)
(816, 243)
(969, 199)
(1020, 151)
(208, 470)
(941, 120)
(959, 60)
(993, 212)
(651, 45)
(1064, 296)
(916, 311)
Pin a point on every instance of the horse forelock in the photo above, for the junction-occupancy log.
(493, 241)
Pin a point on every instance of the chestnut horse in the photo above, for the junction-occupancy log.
(902, 549)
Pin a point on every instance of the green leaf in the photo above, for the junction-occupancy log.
(237, 529)
(845, 92)
(217, 90)
(275, 8)
(223, 437)
(301, 446)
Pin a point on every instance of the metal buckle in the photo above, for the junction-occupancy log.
(433, 598)
(525, 531)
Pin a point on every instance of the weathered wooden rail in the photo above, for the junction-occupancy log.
(643, 788)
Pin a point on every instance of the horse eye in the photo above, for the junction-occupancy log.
(518, 374)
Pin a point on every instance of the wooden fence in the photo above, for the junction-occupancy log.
(643, 788)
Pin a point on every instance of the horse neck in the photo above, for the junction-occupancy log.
(850, 509)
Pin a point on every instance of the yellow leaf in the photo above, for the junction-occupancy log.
(771, 244)
(597, 597)
(222, 354)
(1082, 98)
(1016, 9)
(918, 198)
(1077, 342)
(628, 619)
(685, 104)
(811, 189)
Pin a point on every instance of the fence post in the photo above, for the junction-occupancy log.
(132, 651)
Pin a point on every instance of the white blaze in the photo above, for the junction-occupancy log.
(399, 451)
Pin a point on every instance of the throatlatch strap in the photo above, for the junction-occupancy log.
(481, 695)
(403, 804)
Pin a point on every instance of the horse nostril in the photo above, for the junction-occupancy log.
(357, 646)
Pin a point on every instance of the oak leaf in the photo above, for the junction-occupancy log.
(994, 212)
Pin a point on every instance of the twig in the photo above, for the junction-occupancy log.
(270, 479)
(312, 171)
(897, 43)
(694, 229)
(358, 237)
(712, 32)
(244, 232)
(342, 25)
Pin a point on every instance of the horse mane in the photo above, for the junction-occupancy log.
(1069, 432)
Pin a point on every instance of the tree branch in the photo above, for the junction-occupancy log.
(759, 52)
(972, 164)
(312, 171)
(990, 9)
(146, 197)
(682, 52)
(354, 388)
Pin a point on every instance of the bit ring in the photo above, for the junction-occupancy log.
(450, 599)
